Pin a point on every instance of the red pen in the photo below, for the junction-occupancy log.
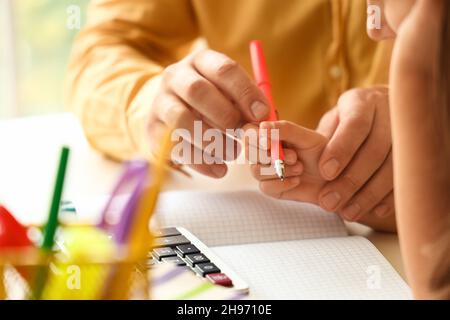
(262, 80)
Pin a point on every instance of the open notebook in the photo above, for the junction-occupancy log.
(284, 249)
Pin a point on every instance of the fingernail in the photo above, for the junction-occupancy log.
(259, 110)
(382, 210)
(219, 171)
(331, 200)
(330, 168)
(294, 181)
(290, 158)
(297, 168)
(351, 212)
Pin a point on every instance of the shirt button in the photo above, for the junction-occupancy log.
(336, 72)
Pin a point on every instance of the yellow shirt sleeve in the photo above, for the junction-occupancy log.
(113, 70)
(316, 49)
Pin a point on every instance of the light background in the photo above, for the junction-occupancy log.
(37, 41)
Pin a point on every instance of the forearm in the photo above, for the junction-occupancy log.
(423, 206)
(422, 183)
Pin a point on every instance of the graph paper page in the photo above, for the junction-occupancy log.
(245, 217)
(333, 268)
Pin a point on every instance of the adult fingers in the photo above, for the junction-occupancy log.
(233, 80)
(370, 157)
(203, 96)
(328, 123)
(386, 207)
(176, 114)
(187, 154)
(355, 123)
(373, 192)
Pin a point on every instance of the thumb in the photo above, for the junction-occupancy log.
(297, 136)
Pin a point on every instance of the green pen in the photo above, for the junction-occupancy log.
(52, 222)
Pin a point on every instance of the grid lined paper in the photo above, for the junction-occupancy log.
(332, 268)
(259, 237)
(245, 217)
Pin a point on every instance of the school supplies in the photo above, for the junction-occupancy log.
(130, 191)
(12, 233)
(140, 240)
(67, 207)
(178, 246)
(105, 260)
(283, 249)
(13, 237)
(81, 266)
(101, 254)
(262, 79)
(52, 223)
(84, 262)
(131, 183)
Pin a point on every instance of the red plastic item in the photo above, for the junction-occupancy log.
(220, 279)
(261, 74)
(12, 233)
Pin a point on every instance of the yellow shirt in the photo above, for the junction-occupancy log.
(316, 49)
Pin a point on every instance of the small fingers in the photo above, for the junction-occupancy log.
(263, 173)
(256, 150)
(299, 137)
(276, 188)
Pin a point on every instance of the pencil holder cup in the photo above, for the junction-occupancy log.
(86, 266)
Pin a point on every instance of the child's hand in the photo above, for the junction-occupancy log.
(302, 148)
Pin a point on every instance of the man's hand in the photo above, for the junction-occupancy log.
(302, 150)
(357, 161)
(210, 87)
(355, 136)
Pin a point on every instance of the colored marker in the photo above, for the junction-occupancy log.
(262, 80)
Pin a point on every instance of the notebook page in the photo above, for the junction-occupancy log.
(333, 268)
(245, 217)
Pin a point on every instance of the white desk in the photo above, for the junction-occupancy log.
(29, 151)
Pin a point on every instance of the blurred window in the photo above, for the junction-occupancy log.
(35, 42)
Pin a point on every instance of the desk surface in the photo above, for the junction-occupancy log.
(28, 157)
